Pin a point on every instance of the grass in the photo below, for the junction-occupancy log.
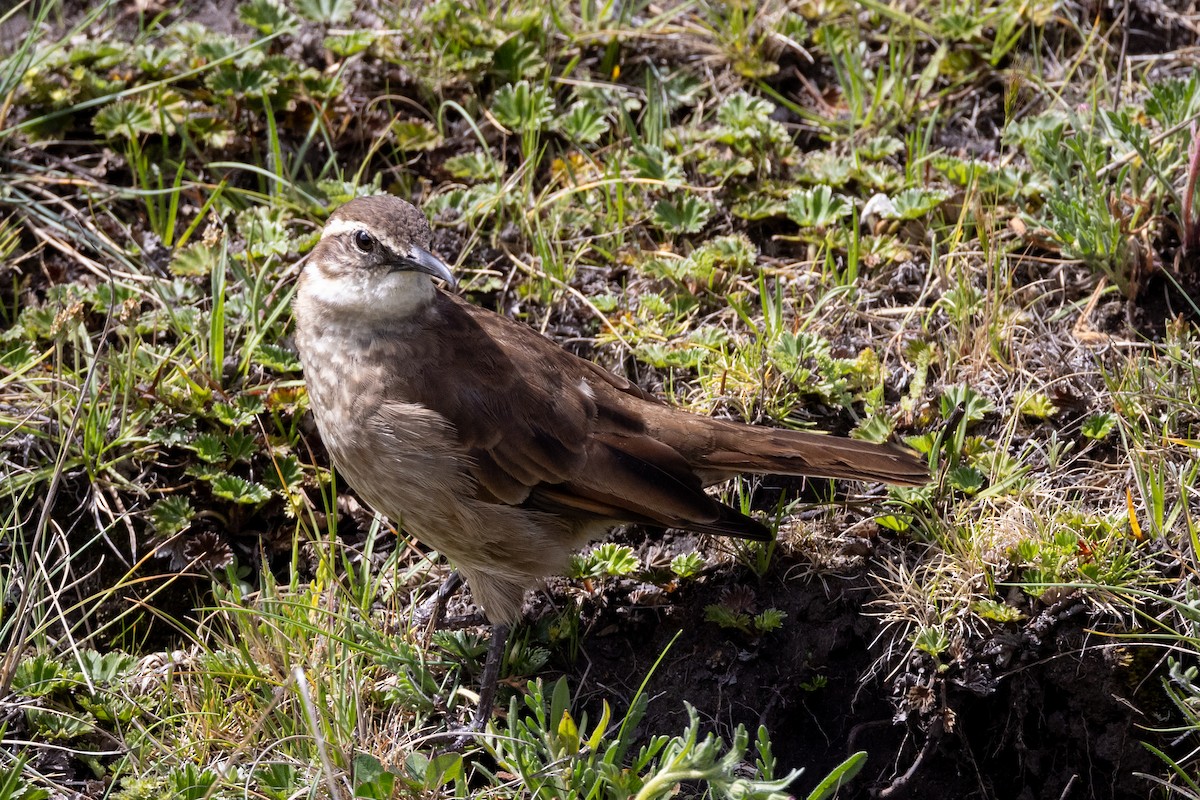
(969, 230)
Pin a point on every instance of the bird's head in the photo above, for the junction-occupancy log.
(373, 260)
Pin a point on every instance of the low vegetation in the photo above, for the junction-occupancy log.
(970, 228)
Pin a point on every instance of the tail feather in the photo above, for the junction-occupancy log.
(745, 448)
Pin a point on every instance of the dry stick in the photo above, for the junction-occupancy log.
(1082, 330)
(901, 784)
(1189, 224)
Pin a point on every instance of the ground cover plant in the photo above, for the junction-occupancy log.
(968, 227)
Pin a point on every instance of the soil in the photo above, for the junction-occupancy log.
(1027, 712)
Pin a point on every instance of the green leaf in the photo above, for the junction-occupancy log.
(412, 135)
(41, 675)
(894, 522)
(212, 131)
(687, 565)
(479, 165)
(914, 203)
(828, 169)
(653, 163)
(997, 611)
(171, 515)
(726, 617)
(769, 620)
(687, 216)
(441, 770)
(817, 207)
(876, 429)
(349, 44)
(1034, 404)
(370, 778)
(758, 206)
(568, 733)
(328, 12)
(58, 725)
(931, 640)
(1099, 426)
(517, 58)
(230, 80)
(583, 123)
(106, 668)
(124, 118)
(839, 776)
(607, 559)
(975, 405)
(284, 473)
(265, 230)
(195, 260)
(522, 107)
(726, 168)
(240, 446)
(878, 148)
(965, 479)
(239, 490)
(190, 782)
(744, 111)
(266, 16)
(276, 358)
(208, 448)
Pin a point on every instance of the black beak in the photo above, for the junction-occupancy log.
(419, 259)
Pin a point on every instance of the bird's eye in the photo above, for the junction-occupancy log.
(364, 241)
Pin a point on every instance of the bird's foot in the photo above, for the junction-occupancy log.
(487, 691)
(466, 735)
(433, 611)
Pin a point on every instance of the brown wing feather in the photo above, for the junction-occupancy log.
(551, 430)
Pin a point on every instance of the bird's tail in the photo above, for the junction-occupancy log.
(735, 448)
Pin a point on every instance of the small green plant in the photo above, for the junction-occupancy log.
(419, 773)
(1036, 405)
(932, 641)
(1099, 426)
(814, 684)
(726, 617)
(817, 208)
(600, 760)
(605, 560)
(523, 107)
(686, 216)
(687, 565)
(584, 123)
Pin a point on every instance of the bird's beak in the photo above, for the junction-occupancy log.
(421, 260)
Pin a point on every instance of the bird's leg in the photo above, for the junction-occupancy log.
(487, 687)
(433, 610)
(491, 677)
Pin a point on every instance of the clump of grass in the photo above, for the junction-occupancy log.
(834, 218)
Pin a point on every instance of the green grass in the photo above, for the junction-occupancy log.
(951, 226)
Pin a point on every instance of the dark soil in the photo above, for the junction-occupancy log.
(1028, 713)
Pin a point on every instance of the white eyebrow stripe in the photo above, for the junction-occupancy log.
(336, 227)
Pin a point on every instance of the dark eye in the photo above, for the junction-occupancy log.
(364, 241)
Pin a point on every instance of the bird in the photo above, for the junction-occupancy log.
(493, 445)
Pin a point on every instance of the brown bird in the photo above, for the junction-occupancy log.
(493, 445)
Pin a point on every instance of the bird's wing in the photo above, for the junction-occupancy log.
(542, 428)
